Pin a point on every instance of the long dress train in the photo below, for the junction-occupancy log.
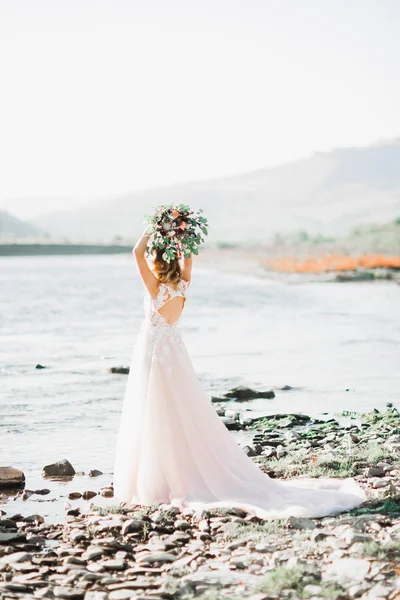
(173, 448)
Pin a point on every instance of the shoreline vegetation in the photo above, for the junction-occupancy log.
(367, 253)
(112, 552)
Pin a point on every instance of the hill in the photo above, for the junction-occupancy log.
(328, 194)
(13, 228)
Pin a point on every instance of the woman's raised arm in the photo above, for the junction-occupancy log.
(187, 268)
(149, 279)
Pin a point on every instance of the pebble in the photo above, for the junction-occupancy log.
(74, 495)
(12, 538)
(95, 595)
(155, 557)
(113, 564)
(299, 523)
(124, 594)
(92, 553)
(346, 570)
(380, 483)
(375, 472)
(351, 536)
(16, 557)
(68, 593)
(88, 494)
(95, 473)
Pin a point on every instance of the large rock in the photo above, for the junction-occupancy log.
(11, 478)
(62, 468)
(242, 393)
(346, 570)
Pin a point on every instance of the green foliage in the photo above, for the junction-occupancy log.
(177, 230)
(383, 551)
(255, 531)
(114, 509)
(288, 578)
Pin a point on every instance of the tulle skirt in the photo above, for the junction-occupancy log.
(173, 448)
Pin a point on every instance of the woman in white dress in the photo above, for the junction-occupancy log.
(172, 446)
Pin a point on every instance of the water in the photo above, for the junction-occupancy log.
(337, 344)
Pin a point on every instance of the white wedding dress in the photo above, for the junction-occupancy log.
(173, 448)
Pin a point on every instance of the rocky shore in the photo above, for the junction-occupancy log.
(113, 552)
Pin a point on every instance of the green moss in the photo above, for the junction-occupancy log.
(289, 578)
(342, 462)
(390, 507)
(255, 531)
(385, 551)
(103, 511)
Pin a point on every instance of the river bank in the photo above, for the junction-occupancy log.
(105, 551)
(305, 267)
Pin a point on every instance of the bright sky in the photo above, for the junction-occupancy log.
(108, 96)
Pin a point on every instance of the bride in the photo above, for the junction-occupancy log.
(172, 447)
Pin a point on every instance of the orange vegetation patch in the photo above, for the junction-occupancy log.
(331, 262)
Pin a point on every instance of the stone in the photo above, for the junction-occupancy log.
(380, 483)
(320, 535)
(113, 564)
(232, 414)
(346, 570)
(95, 473)
(42, 492)
(88, 495)
(182, 524)
(155, 557)
(92, 553)
(11, 478)
(378, 592)
(39, 367)
(107, 492)
(231, 424)
(122, 594)
(375, 472)
(351, 536)
(15, 557)
(68, 593)
(269, 451)
(13, 587)
(132, 526)
(76, 536)
(264, 548)
(12, 538)
(74, 495)
(299, 523)
(96, 595)
(242, 393)
(119, 370)
(8, 524)
(35, 518)
(249, 451)
(62, 468)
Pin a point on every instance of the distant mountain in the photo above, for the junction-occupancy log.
(12, 227)
(328, 193)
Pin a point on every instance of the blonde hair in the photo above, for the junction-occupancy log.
(166, 272)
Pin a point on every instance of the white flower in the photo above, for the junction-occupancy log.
(166, 225)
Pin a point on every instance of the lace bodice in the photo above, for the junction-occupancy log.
(165, 294)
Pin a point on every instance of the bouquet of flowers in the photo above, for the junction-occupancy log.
(177, 230)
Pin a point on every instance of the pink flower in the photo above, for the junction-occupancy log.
(175, 214)
(183, 225)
